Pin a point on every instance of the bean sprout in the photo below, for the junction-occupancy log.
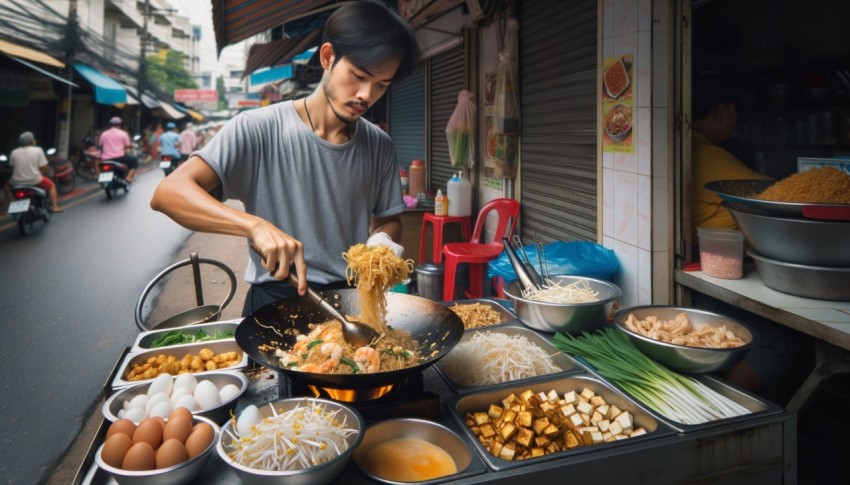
(552, 292)
(302, 437)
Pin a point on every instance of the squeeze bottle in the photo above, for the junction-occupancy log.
(440, 204)
(460, 193)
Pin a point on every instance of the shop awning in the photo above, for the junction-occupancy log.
(258, 80)
(189, 111)
(236, 20)
(106, 89)
(280, 52)
(147, 101)
(171, 111)
(23, 55)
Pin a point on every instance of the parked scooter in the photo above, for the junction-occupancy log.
(87, 165)
(113, 176)
(28, 204)
(61, 172)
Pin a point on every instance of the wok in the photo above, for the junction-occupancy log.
(277, 324)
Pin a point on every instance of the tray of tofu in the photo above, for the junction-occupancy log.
(550, 418)
(197, 358)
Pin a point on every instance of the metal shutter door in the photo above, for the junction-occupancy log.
(407, 118)
(558, 105)
(447, 76)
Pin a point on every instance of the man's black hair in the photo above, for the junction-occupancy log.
(369, 34)
(709, 90)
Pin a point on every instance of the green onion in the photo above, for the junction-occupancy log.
(349, 363)
(680, 398)
(314, 343)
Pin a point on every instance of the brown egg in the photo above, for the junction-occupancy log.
(181, 411)
(159, 420)
(201, 437)
(172, 452)
(115, 448)
(149, 431)
(139, 457)
(178, 427)
(121, 426)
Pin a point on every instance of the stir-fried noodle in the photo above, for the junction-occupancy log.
(374, 270)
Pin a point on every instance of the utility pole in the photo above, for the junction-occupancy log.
(141, 81)
(65, 123)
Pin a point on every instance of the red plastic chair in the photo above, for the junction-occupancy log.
(476, 253)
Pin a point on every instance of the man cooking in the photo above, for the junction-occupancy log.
(310, 172)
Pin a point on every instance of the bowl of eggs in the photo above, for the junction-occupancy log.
(157, 451)
(211, 395)
(278, 430)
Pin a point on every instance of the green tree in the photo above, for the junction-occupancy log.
(171, 74)
(222, 99)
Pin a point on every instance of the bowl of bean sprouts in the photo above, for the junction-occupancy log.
(294, 441)
(569, 304)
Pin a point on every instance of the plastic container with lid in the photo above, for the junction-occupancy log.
(721, 252)
(460, 194)
(416, 177)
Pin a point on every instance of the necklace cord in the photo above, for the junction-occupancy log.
(347, 132)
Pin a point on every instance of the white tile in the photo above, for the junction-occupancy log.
(644, 15)
(625, 207)
(661, 69)
(626, 276)
(607, 202)
(607, 160)
(644, 65)
(661, 15)
(643, 129)
(662, 277)
(644, 289)
(608, 48)
(608, 19)
(644, 212)
(625, 16)
(661, 227)
(661, 143)
(625, 162)
(625, 44)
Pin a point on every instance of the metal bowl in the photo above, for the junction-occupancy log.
(315, 475)
(174, 475)
(571, 318)
(218, 414)
(681, 357)
(801, 241)
(429, 431)
(820, 283)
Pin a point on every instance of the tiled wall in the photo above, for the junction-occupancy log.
(636, 204)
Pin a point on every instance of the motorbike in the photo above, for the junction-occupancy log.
(168, 163)
(61, 172)
(87, 165)
(28, 204)
(113, 177)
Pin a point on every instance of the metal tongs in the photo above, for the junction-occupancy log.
(526, 274)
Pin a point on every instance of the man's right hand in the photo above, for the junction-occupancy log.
(279, 252)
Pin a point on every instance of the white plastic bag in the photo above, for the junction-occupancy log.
(460, 129)
(506, 103)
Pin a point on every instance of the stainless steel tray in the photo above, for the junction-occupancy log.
(566, 363)
(757, 405)
(504, 307)
(145, 339)
(479, 401)
(178, 351)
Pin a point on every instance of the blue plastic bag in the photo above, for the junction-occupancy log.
(575, 258)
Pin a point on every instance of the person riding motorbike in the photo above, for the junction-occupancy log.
(169, 141)
(114, 144)
(30, 166)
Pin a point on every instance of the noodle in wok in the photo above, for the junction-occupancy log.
(374, 270)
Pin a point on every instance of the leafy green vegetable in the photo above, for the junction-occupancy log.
(176, 337)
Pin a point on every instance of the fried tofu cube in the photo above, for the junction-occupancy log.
(507, 452)
(494, 411)
(603, 425)
(568, 409)
(535, 452)
(571, 397)
(603, 410)
(509, 416)
(625, 419)
(508, 401)
(607, 437)
(475, 430)
(547, 406)
(596, 437)
(481, 418)
(540, 424)
(613, 412)
(526, 395)
(470, 421)
(496, 448)
(541, 441)
(584, 407)
(524, 437)
(597, 401)
(507, 431)
(575, 420)
(637, 432)
(596, 417)
(551, 431)
(487, 430)
(615, 428)
(571, 440)
(585, 419)
(523, 418)
(552, 395)
(587, 394)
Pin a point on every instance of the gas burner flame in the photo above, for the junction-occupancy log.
(350, 395)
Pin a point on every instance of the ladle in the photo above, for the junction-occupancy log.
(355, 333)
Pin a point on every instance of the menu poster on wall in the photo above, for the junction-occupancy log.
(618, 104)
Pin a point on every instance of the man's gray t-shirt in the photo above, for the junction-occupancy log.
(319, 193)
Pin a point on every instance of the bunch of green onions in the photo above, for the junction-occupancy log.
(677, 397)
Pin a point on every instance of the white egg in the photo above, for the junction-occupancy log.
(228, 392)
(161, 383)
(179, 392)
(188, 402)
(206, 393)
(138, 402)
(154, 400)
(121, 413)
(161, 409)
(135, 415)
(186, 381)
(249, 417)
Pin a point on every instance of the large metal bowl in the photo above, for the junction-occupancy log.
(818, 282)
(681, 357)
(174, 475)
(801, 241)
(571, 318)
(410, 428)
(315, 475)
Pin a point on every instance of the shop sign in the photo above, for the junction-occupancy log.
(14, 88)
(194, 96)
(618, 87)
(41, 87)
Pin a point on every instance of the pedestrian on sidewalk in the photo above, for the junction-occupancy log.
(30, 166)
(310, 172)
